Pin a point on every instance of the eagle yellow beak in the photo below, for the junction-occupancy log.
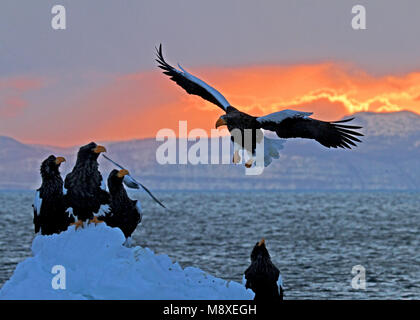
(122, 173)
(261, 242)
(220, 122)
(99, 149)
(58, 160)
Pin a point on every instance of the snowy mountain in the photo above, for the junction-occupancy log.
(92, 263)
(388, 159)
(394, 124)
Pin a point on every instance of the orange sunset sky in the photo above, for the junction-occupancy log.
(98, 81)
(137, 105)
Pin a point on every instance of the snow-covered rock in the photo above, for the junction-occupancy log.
(98, 266)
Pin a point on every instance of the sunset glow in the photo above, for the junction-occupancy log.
(138, 105)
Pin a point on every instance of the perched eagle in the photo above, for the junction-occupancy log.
(124, 213)
(85, 193)
(286, 123)
(132, 183)
(262, 276)
(50, 214)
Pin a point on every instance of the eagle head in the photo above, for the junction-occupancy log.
(115, 178)
(222, 121)
(260, 251)
(49, 166)
(90, 151)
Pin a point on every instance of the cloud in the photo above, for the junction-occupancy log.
(12, 92)
(20, 83)
(275, 87)
(11, 106)
(138, 105)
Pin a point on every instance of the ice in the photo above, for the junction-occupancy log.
(98, 266)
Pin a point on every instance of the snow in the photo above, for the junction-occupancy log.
(394, 124)
(98, 266)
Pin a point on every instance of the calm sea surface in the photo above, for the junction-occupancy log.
(314, 238)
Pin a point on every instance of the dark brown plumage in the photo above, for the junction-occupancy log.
(84, 193)
(50, 214)
(329, 134)
(262, 276)
(124, 213)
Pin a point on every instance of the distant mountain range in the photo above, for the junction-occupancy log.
(388, 159)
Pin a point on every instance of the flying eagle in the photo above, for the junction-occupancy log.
(124, 213)
(50, 214)
(285, 123)
(85, 192)
(262, 276)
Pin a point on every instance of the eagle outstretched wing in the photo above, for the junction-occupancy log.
(190, 83)
(295, 124)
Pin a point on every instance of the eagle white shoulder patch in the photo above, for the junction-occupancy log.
(138, 206)
(280, 282)
(279, 116)
(37, 203)
(139, 210)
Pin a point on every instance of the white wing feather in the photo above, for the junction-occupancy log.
(129, 182)
(280, 282)
(222, 100)
(139, 209)
(279, 116)
(37, 203)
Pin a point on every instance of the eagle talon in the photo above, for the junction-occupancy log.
(236, 157)
(95, 221)
(249, 163)
(78, 224)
